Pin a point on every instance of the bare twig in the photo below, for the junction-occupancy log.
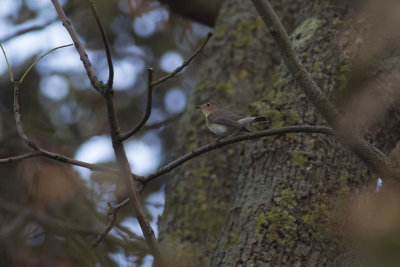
(17, 117)
(61, 158)
(8, 64)
(383, 166)
(106, 44)
(184, 64)
(110, 225)
(40, 58)
(19, 158)
(147, 113)
(78, 45)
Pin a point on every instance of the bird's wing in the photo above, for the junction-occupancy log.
(224, 117)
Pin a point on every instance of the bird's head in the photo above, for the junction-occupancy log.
(207, 107)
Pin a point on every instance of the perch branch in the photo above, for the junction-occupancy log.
(381, 165)
(224, 142)
(231, 140)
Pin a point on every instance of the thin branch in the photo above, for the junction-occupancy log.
(184, 64)
(17, 117)
(96, 83)
(61, 158)
(67, 160)
(106, 45)
(19, 158)
(147, 113)
(110, 225)
(37, 60)
(381, 165)
(8, 64)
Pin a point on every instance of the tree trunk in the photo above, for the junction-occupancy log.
(281, 201)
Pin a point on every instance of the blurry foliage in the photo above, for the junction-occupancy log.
(56, 190)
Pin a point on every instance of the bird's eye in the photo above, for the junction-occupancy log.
(208, 105)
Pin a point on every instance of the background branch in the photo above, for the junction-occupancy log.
(110, 225)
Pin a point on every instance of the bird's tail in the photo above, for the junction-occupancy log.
(249, 120)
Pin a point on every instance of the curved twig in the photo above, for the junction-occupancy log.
(147, 113)
(110, 225)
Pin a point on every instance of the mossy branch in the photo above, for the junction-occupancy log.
(377, 162)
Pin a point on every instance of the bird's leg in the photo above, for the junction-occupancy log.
(218, 140)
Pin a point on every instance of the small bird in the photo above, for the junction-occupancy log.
(223, 122)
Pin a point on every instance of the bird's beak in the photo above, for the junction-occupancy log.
(197, 106)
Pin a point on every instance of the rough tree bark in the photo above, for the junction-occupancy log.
(280, 201)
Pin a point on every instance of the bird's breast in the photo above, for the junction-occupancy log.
(219, 129)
